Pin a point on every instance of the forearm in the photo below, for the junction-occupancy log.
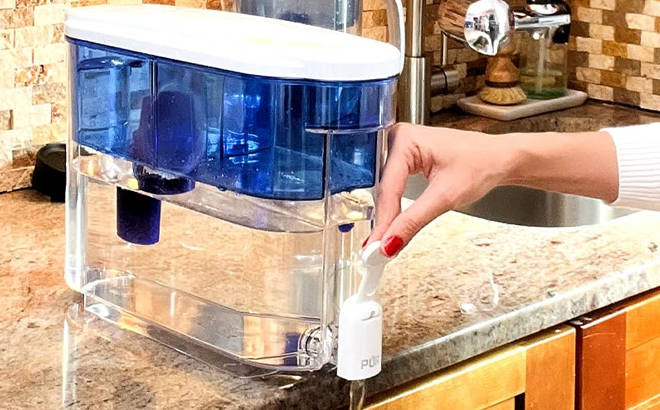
(578, 163)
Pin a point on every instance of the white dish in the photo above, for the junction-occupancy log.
(474, 105)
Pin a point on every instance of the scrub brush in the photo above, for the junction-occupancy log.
(502, 78)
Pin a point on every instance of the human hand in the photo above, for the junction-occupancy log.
(461, 167)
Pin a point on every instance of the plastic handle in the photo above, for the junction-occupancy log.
(374, 262)
(396, 28)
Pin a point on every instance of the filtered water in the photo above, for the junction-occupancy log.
(262, 295)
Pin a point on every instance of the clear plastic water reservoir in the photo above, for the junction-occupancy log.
(222, 171)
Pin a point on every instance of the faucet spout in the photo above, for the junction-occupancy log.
(418, 81)
(414, 85)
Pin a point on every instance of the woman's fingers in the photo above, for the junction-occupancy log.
(392, 185)
(434, 201)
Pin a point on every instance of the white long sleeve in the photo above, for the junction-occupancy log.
(638, 156)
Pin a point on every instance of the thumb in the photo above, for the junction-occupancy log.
(433, 202)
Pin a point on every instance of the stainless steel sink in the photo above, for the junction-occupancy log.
(532, 207)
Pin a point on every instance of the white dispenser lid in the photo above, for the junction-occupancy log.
(235, 42)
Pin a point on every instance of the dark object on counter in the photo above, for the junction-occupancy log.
(49, 177)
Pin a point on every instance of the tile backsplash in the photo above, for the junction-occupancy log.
(615, 51)
(615, 56)
(32, 84)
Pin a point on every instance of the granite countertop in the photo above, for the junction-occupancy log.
(463, 287)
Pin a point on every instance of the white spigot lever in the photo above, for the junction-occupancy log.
(360, 341)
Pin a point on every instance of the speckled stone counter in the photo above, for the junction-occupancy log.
(463, 287)
(587, 117)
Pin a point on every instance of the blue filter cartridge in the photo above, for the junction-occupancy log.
(138, 217)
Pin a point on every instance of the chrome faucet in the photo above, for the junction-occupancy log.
(490, 24)
(486, 26)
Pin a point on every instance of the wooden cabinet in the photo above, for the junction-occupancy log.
(618, 356)
(537, 373)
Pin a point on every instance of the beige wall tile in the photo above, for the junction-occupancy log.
(7, 39)
(376, 33)
(45, 134)
(33, 116)
(50, 54)
(651, 70)
(601, 61)
(441, 102)
(34, 36)
(650, 101)
(589, 45)
(600, 92)
(34, 75)
(190, 3)
(600, 31)
(16, 98)
(466, 55)
(451, 56)
(436, 27)
(18, 138)
(652, 8)
(59, 112)
(373, 4)
(57, 73)
(589, 15)
(603, 4)
(572, 43)
(6, 79)
(374, 18)
(17, 17)
(461, 69)
(556, 56)
(640, 21)
(640, 53)
(7, 4)
(432, 42)
(14, 59)
(5, 151)
(49, 14)
(5, 120)
(48, 93)
(588, 75)
(641, 84)
(651, 39)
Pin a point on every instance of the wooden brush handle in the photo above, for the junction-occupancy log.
(500, 68)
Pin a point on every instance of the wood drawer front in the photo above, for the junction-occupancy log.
(618, 357)
(509, 404)
(643, 321)
(642, 373)
(477, 385)
(541, 367)
(550, 381)
(601, 363)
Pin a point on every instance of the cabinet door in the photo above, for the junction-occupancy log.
(618, 356)
(536, 373)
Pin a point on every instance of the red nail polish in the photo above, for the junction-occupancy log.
(365, 241)
(392, 246)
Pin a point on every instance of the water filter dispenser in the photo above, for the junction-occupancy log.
(222, 169)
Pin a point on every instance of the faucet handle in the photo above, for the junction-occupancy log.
(489, 26)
